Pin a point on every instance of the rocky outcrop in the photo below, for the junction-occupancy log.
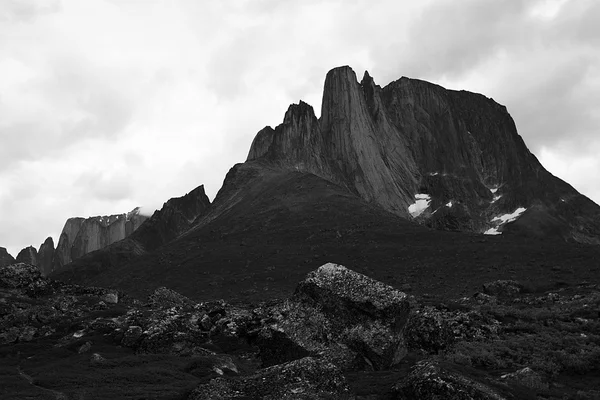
(452, 160)
(84, 235)
(28, 255)
(45, 256)
(18, 275)
(341, 315)
(5, 258)
(175, 217)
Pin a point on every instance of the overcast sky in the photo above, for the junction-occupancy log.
(110, 104)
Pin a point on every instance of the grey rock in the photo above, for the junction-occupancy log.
(28, 256)
(308, 378)
(18, 275)
(5, 258)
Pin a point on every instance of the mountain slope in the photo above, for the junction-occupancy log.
(459, 153)
(268, 227)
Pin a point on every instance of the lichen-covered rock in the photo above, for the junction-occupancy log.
(430, 380)
(527, 377)
(429, 330)
(308, 378)
(339, 314)
(164, 297)
(502, 288)
(18, 275)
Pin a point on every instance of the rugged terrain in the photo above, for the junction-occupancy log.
(471, 272)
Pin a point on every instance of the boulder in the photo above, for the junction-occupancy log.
(164, 297)
(502, 288)
(429, 330)
(18, 275)
(307, 378)
(352, 320)
(431, 380)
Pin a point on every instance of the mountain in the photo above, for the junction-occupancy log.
(45, 256)
(5, 258)
(84, 235)
(175, 217)
(28, 255)
(448, 159)
(399, 183)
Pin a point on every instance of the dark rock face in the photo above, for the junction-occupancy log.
(448, 159)
(28, 255)
(84, 235)
(5, 258)
(174, 218)
(45, 256)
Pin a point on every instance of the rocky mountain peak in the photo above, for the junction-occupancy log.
(5, 258)
(28, 256)
(448, 159)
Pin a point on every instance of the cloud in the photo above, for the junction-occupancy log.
(27, 10)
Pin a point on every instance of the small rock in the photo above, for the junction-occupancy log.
(527, 377)
(163, 297)
(110, 298)
(97, 359)
(483, 298)
(87, 346)
(132, 336)
(18, 275)
(502, 288)
(205, 323)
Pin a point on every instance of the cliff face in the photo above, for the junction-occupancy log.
(452, 160)
(84, 235)
(5, 258)
(174, 218)
(45, 256)
(28, 256)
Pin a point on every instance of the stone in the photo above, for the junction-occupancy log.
(527, 377)
(502, 288)
(97, 359)
(307, 378)
(431, 380)
(18, 275)
(132, 336)
(428, 330)
(164, 297)
(342, 315)
(110, 298)
(84, 348)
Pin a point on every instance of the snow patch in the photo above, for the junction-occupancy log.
(492, 231)
(433, 173)
(496, 198)
(494, 190)
(504, 219)
(421, 203)
(510, 217)
(449, 204)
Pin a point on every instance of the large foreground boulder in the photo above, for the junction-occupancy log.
(349, 318)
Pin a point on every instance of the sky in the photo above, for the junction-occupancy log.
(106, 105)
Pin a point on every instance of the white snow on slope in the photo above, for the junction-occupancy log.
(494, 190)
(492, 231)
(503, 219)
(510, 217)
(449, 204)
(421, 203)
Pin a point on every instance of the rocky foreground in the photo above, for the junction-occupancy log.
(340, 335)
